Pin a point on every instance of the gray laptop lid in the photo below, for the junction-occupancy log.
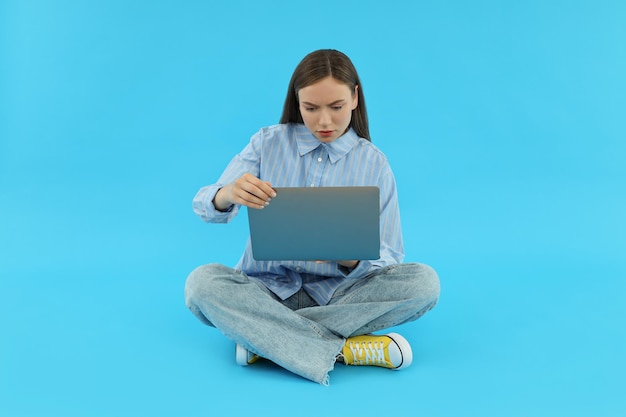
(317, 223)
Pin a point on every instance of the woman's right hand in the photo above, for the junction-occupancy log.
(247, 190)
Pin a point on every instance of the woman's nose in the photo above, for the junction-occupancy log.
(325, 118)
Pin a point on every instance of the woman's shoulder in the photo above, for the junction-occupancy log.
(371, 150)
(278, 136)
(278, 129)
(273, 133)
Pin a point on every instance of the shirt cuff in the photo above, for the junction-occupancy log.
(203, 206)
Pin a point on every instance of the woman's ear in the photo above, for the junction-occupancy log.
(355, 97)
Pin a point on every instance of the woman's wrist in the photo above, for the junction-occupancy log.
(219, 202)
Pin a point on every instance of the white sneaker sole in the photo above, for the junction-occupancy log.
(405, 349)
(241, 355)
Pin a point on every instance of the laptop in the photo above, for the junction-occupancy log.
(317, 223)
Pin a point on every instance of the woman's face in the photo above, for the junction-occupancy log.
(326, 108)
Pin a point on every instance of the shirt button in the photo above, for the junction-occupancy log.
(319, 159)
(312, 185)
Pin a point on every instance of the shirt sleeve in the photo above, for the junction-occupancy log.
(247, 161)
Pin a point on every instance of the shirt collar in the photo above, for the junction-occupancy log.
(337, 149)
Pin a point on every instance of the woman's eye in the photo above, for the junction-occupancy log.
(337, 107)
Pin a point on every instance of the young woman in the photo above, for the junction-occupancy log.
(306, 316)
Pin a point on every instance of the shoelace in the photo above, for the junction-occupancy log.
(368, 353)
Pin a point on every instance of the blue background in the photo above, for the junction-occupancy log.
(504, 123)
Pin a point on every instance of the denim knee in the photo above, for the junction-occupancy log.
(201, 279)
(202, 285)
(423, 282)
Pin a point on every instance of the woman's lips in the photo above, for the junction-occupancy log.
(326, 133)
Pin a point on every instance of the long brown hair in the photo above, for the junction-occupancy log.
(313, 68)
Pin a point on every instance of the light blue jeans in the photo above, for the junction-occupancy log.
(298, 334)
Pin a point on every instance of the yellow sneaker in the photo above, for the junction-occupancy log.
(389, 351)
(244, 357)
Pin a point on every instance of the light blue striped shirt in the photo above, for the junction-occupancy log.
(288, 155)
